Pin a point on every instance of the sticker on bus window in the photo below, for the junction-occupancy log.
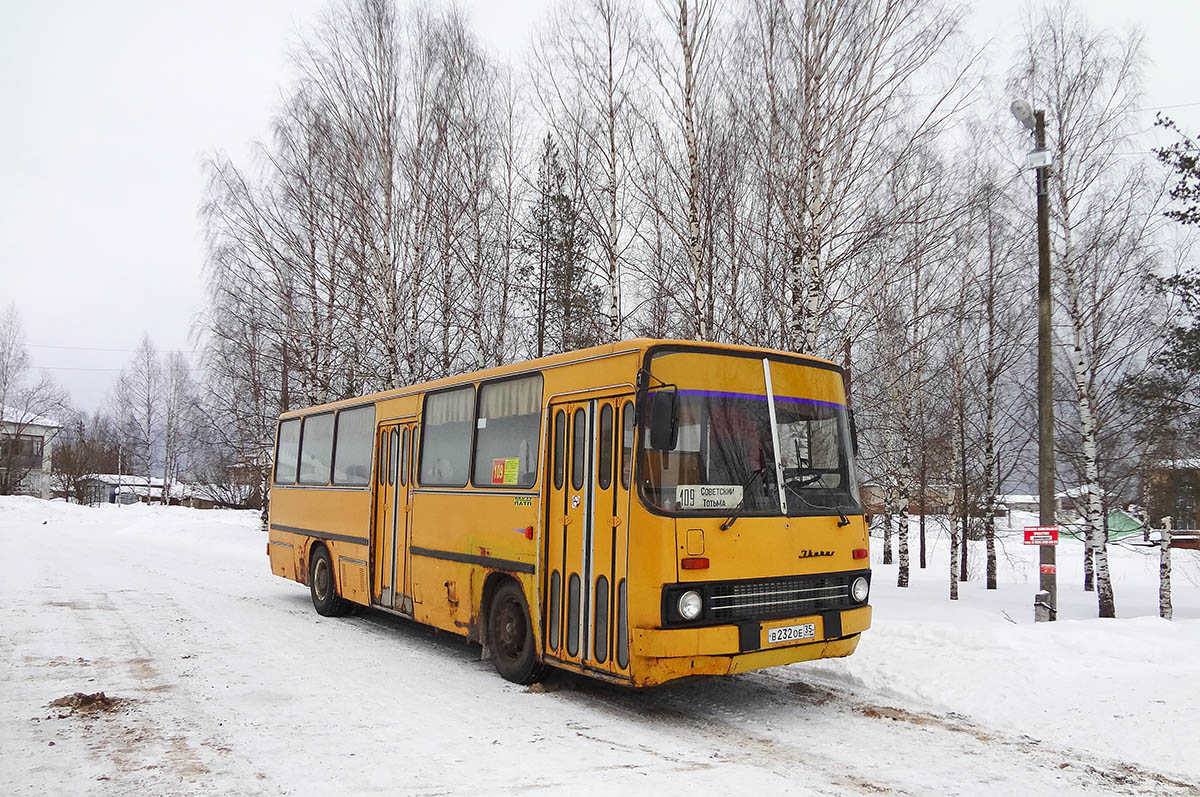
(708, 496)
(506, 470)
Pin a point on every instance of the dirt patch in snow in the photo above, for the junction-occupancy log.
(95, 702)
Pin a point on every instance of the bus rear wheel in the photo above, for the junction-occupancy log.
(510, 636)
(322, 585)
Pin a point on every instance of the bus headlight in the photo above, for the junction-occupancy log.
(690, 605)
(859, 589)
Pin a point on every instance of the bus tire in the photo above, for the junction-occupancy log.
(323, 586)
(510, 636)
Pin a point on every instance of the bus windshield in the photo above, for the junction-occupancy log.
(763, 437)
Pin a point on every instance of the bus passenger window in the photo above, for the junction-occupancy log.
(604, 456)
(627, 444)
(289, 448)
(352, 453)
(560, 446)
(579, 443)
(507, 431)
(393, 453)
(404, 458)
(446, 440)
(381, 465)
(316, 449)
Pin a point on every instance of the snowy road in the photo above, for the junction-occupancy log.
(227, 682)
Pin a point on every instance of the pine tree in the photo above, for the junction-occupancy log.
(558, 289)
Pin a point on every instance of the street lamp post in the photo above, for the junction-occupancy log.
(1046, 605)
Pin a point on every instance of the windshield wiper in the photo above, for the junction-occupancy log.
(737, 512)
(843, 521)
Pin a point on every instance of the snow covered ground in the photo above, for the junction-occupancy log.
(227, 682)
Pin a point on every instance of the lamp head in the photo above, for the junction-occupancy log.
(1023, 111)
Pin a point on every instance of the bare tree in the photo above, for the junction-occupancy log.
(179, 420)
(25, 402)
(137, 404)
(87, 446)
(510, 190)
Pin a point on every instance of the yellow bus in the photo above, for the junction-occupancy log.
(639, 512)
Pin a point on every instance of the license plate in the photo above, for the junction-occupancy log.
(791, 633)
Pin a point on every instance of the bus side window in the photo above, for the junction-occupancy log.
(352, 446)
(604, 458)
(446, 438)
(287, 451)
(560, 446)
(627, 442)
(508, 428)
(316, 449)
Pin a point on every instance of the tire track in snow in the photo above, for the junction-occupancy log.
(820, 735)
(159, 739)
(1090, 770)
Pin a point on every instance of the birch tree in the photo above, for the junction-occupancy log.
(1003, 328)
(839, 98)
(680, 59)
(1164, 571)
(1088, 81)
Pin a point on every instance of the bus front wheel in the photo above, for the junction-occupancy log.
(322, 585)
(510, 636)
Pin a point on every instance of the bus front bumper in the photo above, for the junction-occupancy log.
(729, 649)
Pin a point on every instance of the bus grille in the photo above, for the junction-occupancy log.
(764, 599)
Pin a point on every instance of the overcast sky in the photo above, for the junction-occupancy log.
(108, 108)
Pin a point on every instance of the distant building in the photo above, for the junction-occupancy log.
(939, 499)
(26, 443)
(1173, 490)
(942, 499)
(1065, 503)
(1019, 502)
(118, 488)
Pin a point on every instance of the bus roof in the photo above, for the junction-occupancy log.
(627, 346)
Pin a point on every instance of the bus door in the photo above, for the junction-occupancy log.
(393, 519)
(587, 539)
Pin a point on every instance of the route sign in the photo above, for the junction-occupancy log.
(1041, 535)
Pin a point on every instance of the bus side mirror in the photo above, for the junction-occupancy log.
(664, 414)
(853, 432)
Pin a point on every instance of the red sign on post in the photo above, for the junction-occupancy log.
(1041, 535)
